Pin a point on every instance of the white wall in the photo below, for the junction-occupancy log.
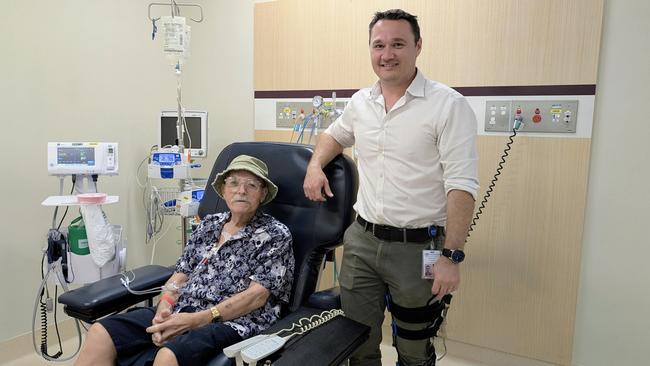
(612, 326)
(79, 70)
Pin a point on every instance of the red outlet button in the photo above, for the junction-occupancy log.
(537, 118)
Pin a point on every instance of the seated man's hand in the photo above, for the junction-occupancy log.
(163, 312)
(173, 325)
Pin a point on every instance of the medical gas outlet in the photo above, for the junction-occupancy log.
(543, 116)
(169, 163)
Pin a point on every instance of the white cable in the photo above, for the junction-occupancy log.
(137, 172)
(181, 110)
(156, 240)
(251, 352)
(126, 282)
(155, 216)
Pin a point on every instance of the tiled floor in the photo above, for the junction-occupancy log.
(388, 352)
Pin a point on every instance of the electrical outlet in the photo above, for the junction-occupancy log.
(543, 116)
(498, 116)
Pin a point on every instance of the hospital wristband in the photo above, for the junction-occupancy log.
(168, 298)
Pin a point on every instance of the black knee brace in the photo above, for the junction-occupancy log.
(433, 314)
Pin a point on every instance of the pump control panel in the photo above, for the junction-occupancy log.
(553, 116)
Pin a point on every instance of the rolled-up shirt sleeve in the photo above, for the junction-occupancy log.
(342, 130)
(457, 146)
(276, 265)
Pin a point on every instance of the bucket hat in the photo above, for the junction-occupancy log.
(250, 164)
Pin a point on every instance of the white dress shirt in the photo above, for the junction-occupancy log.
(412, 156)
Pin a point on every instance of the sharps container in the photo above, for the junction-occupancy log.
(77, 238)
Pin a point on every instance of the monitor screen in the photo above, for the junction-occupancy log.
(76, 155)
(166, 159)
(197, 130)
(168, 131)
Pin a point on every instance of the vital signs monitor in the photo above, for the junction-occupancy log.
(197, 128)
(84, 158)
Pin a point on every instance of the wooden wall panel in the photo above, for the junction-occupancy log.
(306, 44)
(520, 279)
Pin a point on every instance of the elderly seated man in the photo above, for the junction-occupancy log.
(228, 284)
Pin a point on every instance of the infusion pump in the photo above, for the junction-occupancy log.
(85, 158)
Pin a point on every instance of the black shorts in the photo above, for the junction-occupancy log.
(134, 345)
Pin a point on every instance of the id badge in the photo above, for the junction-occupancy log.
(429, 258)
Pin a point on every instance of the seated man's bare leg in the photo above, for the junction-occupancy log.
(98, 349)
(165, 357)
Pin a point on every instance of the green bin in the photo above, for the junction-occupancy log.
(77, 237)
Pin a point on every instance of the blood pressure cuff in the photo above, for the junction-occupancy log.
(434, 314)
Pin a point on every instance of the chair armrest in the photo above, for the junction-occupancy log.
(107, 296)
(326, 299)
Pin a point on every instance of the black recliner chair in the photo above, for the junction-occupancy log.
(317, 228)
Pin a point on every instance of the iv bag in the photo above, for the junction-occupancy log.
(176, 38)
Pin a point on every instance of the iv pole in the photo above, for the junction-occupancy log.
(180, 125)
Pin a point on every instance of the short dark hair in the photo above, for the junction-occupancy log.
(396, 14)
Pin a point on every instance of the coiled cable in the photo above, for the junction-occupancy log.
(42, 289)
(43, 308)
(495, 178)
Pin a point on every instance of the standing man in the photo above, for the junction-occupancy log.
(415, 141)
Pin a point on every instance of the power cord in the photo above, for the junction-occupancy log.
(74, 179)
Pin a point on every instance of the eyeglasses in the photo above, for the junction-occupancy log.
(252, 185)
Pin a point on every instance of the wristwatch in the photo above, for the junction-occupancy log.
(454, 255)
(216, 315)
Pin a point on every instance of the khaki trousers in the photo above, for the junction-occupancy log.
(369, 268)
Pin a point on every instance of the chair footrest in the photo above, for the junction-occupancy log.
(108, 295)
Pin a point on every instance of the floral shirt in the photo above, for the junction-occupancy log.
(262, 252)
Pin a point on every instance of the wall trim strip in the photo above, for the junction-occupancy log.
(468, 91)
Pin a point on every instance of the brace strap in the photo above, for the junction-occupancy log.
(421, 314)
(433, 313)
(414, 335)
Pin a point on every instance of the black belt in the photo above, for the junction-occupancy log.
(390, 233)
